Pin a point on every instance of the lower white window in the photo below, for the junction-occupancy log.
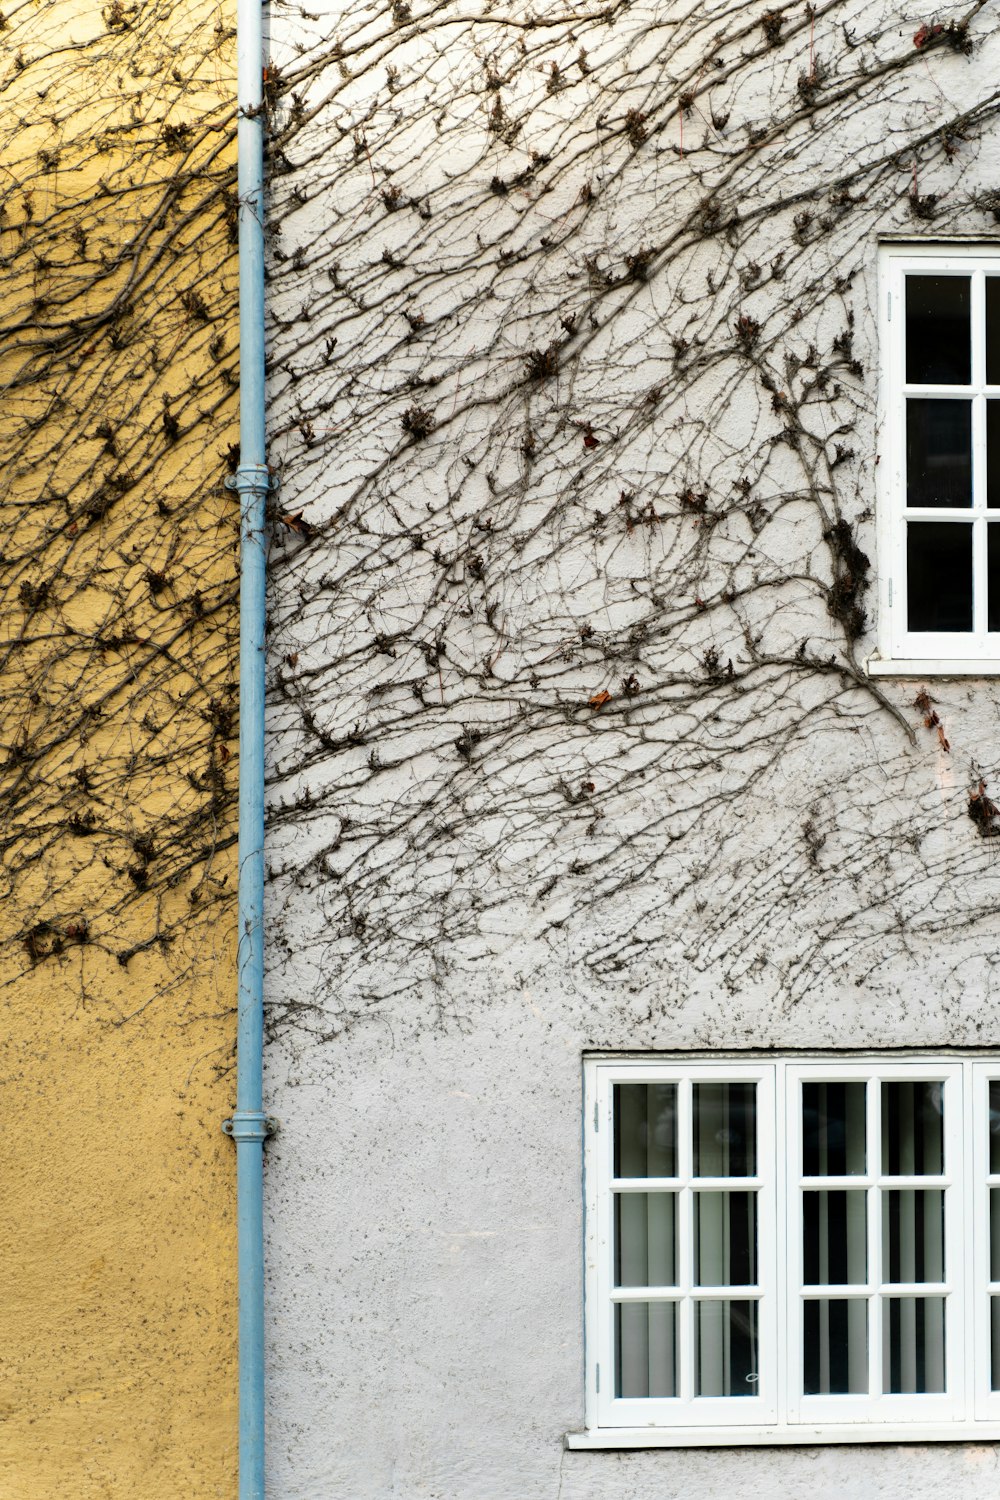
(792, 1250)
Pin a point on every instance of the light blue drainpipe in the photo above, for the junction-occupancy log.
(249, 1126)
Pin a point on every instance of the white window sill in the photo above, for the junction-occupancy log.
(934, 667)
(765, 1437)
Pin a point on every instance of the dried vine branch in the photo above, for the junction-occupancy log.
(573, 394)
(118, 367)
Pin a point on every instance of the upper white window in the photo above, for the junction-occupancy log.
(792, 1251)
(939, 458)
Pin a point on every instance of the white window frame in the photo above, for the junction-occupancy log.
(902, 652)
(968, 1409)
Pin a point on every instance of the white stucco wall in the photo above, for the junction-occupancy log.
(475, 875)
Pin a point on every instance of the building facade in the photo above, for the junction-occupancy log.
(118, 676)
(634, 406)
(632, 745)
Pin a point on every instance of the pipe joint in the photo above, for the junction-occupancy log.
(250, 479)
(249, 1125)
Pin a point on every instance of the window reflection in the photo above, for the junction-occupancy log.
(645, 1129)
(725, 1129)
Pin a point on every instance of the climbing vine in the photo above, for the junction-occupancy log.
(118, 368)
(573, 401)
(572, 397)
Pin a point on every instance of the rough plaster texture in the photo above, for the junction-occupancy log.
(117, 683)
(118, 1241)
(477, 873)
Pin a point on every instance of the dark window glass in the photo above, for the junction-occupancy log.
(993, 453)
(913, 1234)
(725, 1129)
(913, 1128)
(993, 591)
(938, 453)
(835, 1237)
(913, 1345)
(835, 1346)
(938, 342)
(645, 1129)
(993, 330)
(938, 576)
(995, 1127)
(994, 1231)
(833, 1129)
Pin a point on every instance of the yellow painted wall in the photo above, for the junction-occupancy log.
(118, 672)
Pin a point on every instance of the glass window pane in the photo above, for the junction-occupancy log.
(938, 576)
(913, 1235)
(835, 1238)
(645, 1129)
(995, 1126)
(726, 1349)
(995, 1343)
(725, 1129)
(993, 330)
(833, 1129)
(725, 1239)
(645, 1239)
(938, 341)
(645, 1349)
(913, 1129)
(993, 577)
(938, 453)
(835, 1346)
(993, 454)
(913, 1345)
(994, 1234)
